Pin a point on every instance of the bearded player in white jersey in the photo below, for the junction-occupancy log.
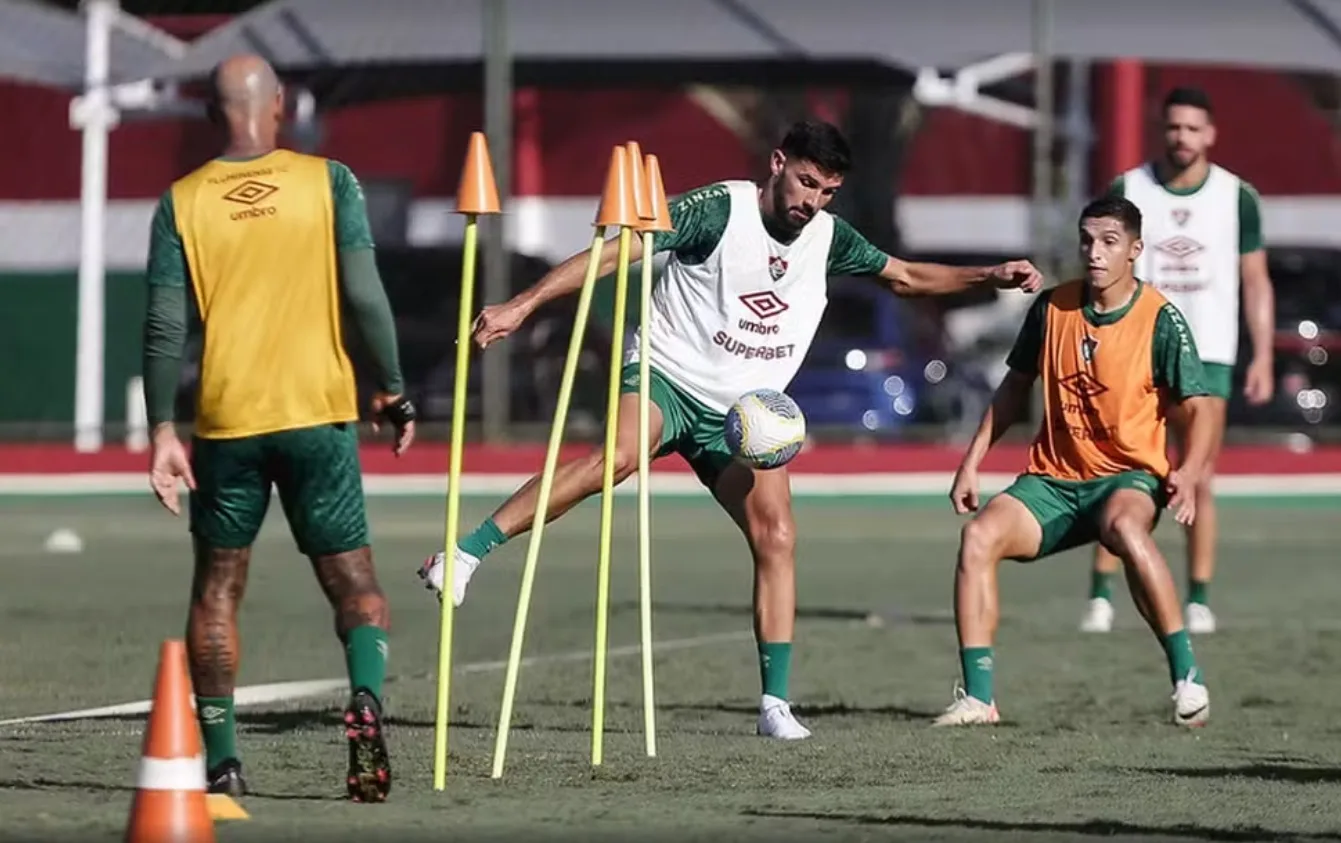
(735, 309)
(1204, 247)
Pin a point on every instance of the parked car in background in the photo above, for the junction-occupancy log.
(865, 369)
(1307, 343)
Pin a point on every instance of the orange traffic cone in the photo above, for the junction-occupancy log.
(660, 218)
(169, 804)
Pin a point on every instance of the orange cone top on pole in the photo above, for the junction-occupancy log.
(618, 204)
(169, 805)
(477, 193)
(656, 196)
(642, 203)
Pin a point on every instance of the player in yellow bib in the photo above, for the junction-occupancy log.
(1116, 361)
(269, 249)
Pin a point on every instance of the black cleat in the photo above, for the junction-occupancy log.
(369, 778)
(226, 778)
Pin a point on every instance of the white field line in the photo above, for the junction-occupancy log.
(277, 692)
(893, 484)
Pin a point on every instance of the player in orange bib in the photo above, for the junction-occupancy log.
(1117, 362)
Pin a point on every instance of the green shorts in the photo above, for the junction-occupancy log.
(1069, 510)
(1219, 378)
(689, 427)
(316, 471)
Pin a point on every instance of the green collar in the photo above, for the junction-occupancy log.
(1098, 319)
(1178, 191)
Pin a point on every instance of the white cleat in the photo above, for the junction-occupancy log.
(777, 721)
(968, 711)
(1199, 619)
(434, 567)
(1191, 702)
(1098, 617)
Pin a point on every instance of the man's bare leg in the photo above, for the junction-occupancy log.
(574, 482)
(1125, 529)
(214, 653)
(580, 478)
(760, 502)
(1201, 541)
(362, 620)
(1005, 529)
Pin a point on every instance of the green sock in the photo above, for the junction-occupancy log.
(775, 665)
(486, 537)
(1182, 663)
(1196, 591)
(218, 728)
(977, 663)
(365, 656)
(1101, 585)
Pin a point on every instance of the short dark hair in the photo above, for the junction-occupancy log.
(820, 143)
(1117, 208)
(1189, 96)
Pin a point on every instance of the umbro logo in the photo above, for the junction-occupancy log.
(1180, 247)
(250, 192)
(1082, 384)
(212, 714)
(764, 304)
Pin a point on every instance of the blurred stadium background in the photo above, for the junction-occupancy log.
(979, 128)
(972, 143)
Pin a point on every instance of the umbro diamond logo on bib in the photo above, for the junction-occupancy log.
(764, 304)
(1180, 247)
(250, 192)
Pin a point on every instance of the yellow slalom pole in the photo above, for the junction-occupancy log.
(476, 194)
(542, 505)
(644, 497)
(454, 498)
(608, 498)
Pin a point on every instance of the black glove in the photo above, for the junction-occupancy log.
(400, 412)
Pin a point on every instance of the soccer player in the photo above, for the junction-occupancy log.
(735, 309)
(1203, 225)
(269, 249)
(1116, 359)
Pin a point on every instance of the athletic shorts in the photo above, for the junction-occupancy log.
(1069, 511)
(689, 427)
(1219, 378)
(316, 471)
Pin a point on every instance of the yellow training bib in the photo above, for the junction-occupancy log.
(259, 237)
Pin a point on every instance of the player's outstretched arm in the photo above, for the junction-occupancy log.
(497, 321)
(934, 279)
(1007, 407)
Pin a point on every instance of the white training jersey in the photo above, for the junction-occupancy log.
(734, 309)
(1193, 242)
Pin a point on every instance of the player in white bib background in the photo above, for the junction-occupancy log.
(735, 308)
(1204, 248)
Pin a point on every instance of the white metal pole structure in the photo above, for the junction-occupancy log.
(1044, 201)
(94, 115)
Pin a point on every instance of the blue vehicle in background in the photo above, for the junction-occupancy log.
(868, 364)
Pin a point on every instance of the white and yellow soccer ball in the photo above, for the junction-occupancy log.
(765, 428)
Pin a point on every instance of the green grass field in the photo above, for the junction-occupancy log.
(1085, 750)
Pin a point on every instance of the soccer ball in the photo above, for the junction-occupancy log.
(765, 429)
